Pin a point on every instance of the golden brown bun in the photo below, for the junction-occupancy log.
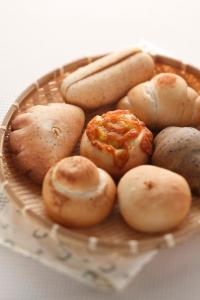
(153, 199)
(107, 79)
(178, 149)
(43, 135)
(70, 172)
(78, 194)
(134, 144)
(163, 101)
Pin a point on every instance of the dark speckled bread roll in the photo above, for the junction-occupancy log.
(178, 149)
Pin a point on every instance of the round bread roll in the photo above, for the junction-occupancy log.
(178, 149)
(78, 194)
(153, 199)
(116, 142)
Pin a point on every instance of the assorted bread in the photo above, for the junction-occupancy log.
(165, 100)
(78, 194)
(78, 191)
(107, 79)
(116, 141)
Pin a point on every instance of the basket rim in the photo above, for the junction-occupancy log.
(136, 246)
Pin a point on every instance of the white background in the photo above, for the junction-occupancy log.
(38, 36)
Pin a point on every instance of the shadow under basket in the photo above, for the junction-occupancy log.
(113, 235)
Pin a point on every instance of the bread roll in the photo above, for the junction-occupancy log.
(153, 199)
(43, 135)
(178, 149)
(163, 101)
(107, 79)
(116, 142)
(78, 194)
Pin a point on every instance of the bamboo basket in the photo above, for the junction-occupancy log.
(113, 235)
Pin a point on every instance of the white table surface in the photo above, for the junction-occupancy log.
(38, 36)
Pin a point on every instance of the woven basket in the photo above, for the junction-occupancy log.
(113, 235)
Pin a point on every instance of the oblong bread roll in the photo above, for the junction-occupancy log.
(107, 79)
